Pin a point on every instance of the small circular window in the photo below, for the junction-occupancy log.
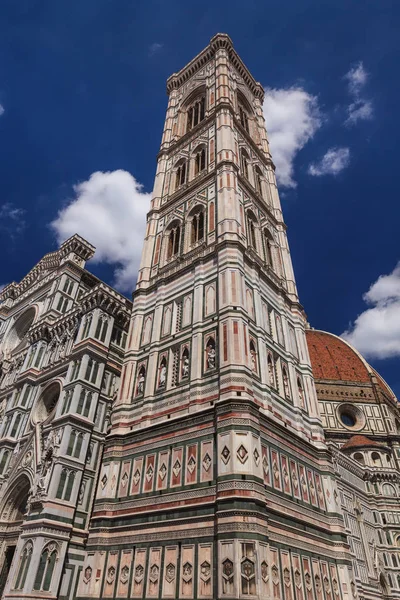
(347, 419)
(351, 416)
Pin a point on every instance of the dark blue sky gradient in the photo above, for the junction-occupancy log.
(82, 92)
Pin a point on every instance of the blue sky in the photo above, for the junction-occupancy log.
(82, 95)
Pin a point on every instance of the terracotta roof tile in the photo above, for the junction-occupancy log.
(360, 441)
(331, 358)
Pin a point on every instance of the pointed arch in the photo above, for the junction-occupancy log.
(252, 226)
(173, 239)
(45, 570)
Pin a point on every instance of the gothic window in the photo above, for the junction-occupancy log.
(197, 227)
(181, 174)
(75, 444)
(75, 370)
(15, 426)
(251, 230)
(258, 180)
(174, 237)
(210, 354)
(68, 286)
(46, 566)
(268, 243)
(271, 370)
(300, 391)
(31, 356)
(185, 363)
(25, 561)
(67, 401)
(195, 113)
(92, 370)
(84, 403)
(244, 159)
(244, 119)
(200, 161)
(285, 379)
(65, 485)
(39, 355)
(141, 381)
(279, 329)
(88, 321)
(253, 355)
(167, 318)
(62, 304)
(25, 395)
(3, 461)
(102, 328)
(148, 322)
(162, 373)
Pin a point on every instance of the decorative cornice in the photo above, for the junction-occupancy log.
(75, 244)
(218, 42)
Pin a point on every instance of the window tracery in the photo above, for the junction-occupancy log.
(197, 234)
(195, 113)
(200, 161)
(174, 238)
(46, 566)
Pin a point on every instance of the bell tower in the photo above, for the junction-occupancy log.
(215, 465)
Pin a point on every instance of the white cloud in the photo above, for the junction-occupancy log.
(357, 78)
(11, 219)
(1, 110)
(155, 47)
(109, 210)
(292, 117)
(334, 161)
(361, 109)
(376, 331)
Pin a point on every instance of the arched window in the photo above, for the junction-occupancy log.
(258, 180)
(300, 391)
(25, 561)
(86, 327)
(244, 163)
(376, 459)
(388, 490)
(253, 356)
(141, 381)
(271, 370)
(210, 354)
(65, 485)
(162, 373)
(195, 113)
(185, 363)
(181, 174)
(200, 161)
(197, 227)
(173, 241)
(244, 119)
(46, 566)
(359, 457)
(285, 379)
(101, 329)
(15, 426)
(268, 243)
(4, 460)
(251, 230)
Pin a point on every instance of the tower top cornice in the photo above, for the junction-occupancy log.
(220, 40)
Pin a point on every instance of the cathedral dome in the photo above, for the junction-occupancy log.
(335, 362)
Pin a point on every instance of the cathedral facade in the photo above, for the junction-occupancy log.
(204, 442)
